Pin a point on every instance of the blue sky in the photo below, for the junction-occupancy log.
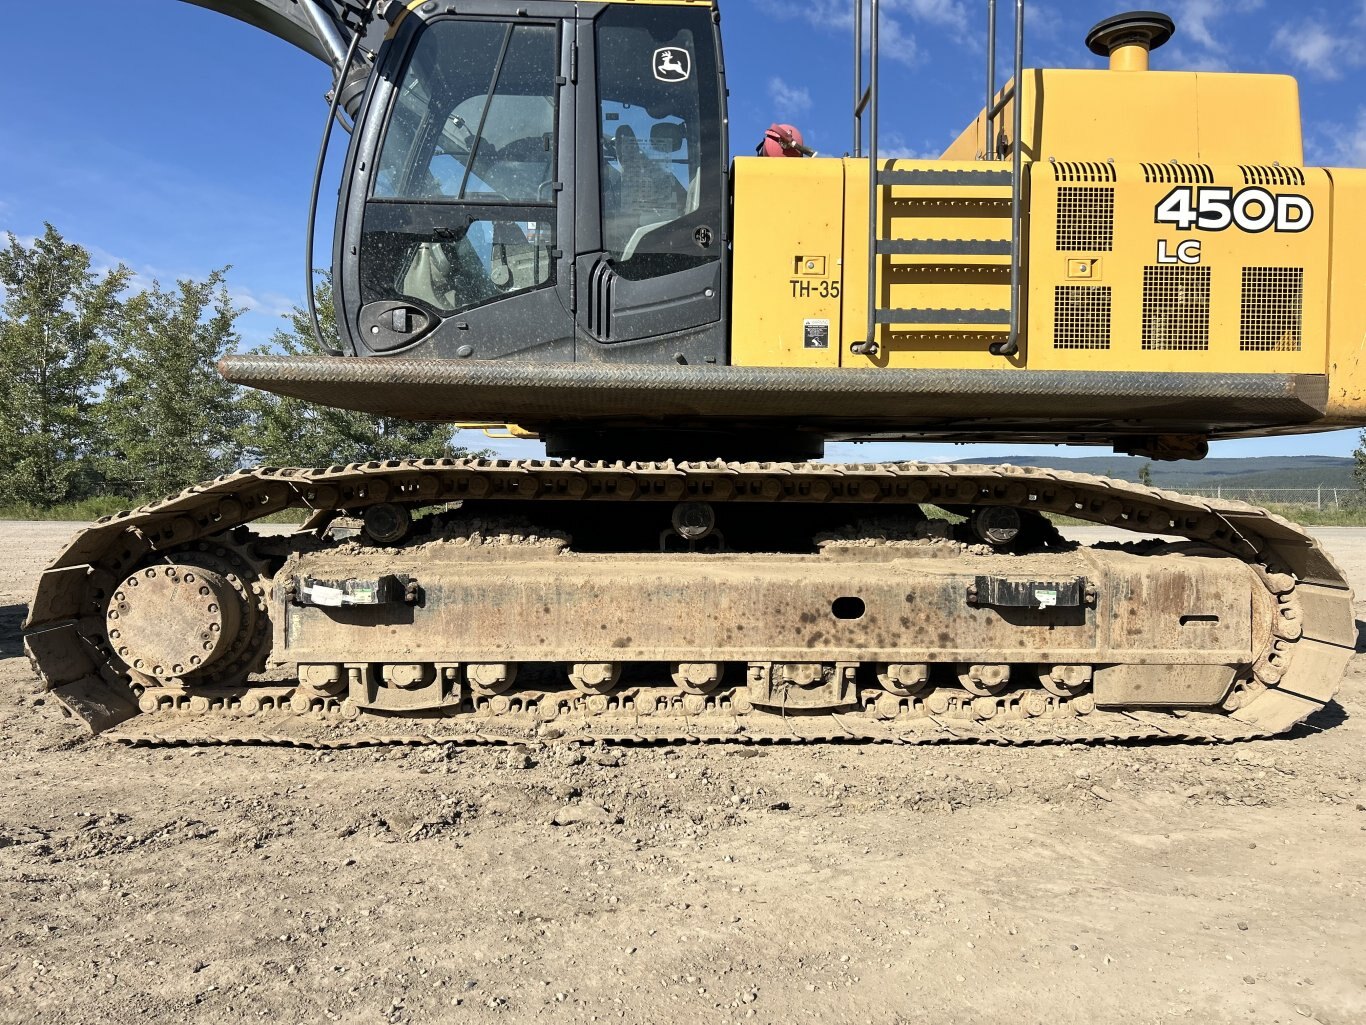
(176, 141)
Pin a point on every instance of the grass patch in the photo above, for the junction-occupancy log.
(86, 509)
(1312, 517)
(90, 509)
(1305, 515)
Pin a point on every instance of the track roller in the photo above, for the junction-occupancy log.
(489, 678)
(696, 677)
(595, 677)
(1065, 681)
(984, 680)
(903, 678)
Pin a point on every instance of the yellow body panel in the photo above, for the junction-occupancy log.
(787, 271)
(1106, 286)
(1347, 300)
(1195, 116)
(1167, 315)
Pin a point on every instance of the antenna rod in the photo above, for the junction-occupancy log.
(858, 77)
(991, 80)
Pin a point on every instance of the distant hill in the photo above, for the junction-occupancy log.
(1254, 472)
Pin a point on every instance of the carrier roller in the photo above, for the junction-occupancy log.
(667, 601)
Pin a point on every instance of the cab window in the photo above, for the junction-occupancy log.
(659, 137)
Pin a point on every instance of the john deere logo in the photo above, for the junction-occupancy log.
(672, 64)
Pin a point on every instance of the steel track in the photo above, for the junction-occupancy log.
(1300, 670)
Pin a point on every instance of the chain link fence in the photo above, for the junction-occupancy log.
(1321, 498)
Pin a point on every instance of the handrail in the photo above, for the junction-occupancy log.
(1012, 343)
(870, 339)
(1007, 94)
(862, 103)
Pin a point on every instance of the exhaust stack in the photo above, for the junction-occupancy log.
(1127, 39)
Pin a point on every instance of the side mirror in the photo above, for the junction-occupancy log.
(666, 137)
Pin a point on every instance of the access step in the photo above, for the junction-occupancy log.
(929, 316)
(944, 247)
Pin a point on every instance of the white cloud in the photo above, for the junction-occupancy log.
(1196, 20)
(949, 14)
(1312, 46)
(269, 304)
(821, 13)
(788, 100)
(1044, 21)
(894, 42)
(1185, 58)
(1338, 145)
(892, 146)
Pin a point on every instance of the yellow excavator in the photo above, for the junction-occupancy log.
(540, 226)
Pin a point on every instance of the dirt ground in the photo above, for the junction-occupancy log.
(878, 885)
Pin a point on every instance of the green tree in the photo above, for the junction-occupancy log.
(1359, 454)
(172, 419)
(1145, 475)
(284, 431)
(55, 323)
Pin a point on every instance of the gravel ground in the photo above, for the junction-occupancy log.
(879, 885)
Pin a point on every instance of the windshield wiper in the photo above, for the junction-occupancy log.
(484, 114)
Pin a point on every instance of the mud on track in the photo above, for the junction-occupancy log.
(1121, 884)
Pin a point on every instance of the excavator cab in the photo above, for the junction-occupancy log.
(502, 198)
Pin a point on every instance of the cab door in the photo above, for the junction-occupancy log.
(652, 268)
(457, 238)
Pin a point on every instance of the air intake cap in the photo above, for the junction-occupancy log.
(1127, 38)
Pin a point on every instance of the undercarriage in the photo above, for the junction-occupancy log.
(661, 602)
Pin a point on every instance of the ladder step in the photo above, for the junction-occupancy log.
(982, 178)
(927, 316)
(943, 247)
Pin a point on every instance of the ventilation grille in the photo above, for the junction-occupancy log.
(1081, 317)
(1273, 309)
(1086, 220)
(1179, 174)
(1271, 174)
(1083, 171)
(1176, 307)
